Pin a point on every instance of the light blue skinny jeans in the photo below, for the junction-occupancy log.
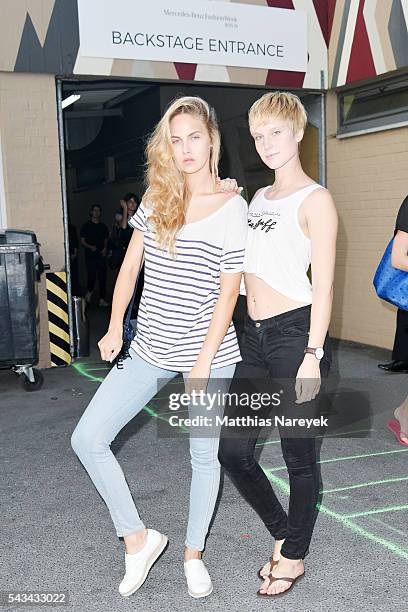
(122, 395)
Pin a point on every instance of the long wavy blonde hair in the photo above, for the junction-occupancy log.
(167, 192)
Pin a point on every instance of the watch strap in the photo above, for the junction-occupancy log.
(313, 351)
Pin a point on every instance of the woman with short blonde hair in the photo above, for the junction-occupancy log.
(291, 224)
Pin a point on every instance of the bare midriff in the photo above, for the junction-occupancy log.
(263, 301)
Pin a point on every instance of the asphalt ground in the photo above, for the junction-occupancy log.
(58, 536)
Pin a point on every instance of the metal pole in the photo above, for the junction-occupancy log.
(61, 141)
(322, 142)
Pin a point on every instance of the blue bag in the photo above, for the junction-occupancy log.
(390, 283)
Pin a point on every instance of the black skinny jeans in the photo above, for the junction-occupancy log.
(274, 348)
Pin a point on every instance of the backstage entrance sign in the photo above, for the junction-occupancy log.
(194, 31)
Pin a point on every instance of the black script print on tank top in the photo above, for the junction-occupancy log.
(256, 220)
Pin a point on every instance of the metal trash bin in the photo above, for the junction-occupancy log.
(81, 327)
(21, 267)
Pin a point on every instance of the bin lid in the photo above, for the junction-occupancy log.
(18, 240)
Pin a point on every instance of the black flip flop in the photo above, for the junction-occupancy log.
(273, 563)
(274, 579)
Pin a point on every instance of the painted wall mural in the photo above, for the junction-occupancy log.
(348, 41)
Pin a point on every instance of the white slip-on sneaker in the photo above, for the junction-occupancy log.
(139, 564)
(198, 579)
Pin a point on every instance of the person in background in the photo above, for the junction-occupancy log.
(94, 238)
(115, 246)
(399, 257)
(129, 203)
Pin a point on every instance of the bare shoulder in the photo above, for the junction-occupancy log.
(221, 199)
(319, 202)
(226, 197)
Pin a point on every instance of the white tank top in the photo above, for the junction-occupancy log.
(277, 250)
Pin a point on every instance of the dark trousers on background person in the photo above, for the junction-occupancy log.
(274, 348)
(75, 286)
(400, 350)
(96, 267)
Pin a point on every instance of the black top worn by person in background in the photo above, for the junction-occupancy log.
(94, 234)
(402, 218)
(125, 236)
(72, 238)
(400, 349)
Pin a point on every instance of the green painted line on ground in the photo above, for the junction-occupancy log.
(83, 371)
(342, 433)
(173, 411)
(349, 458)
(345, 521)
(377, 511)
(365, 484)
(387, 526)
(154, 414)
(268, 442)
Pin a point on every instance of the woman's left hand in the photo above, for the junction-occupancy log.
(227, 185)
(197, 378)
(308, 379)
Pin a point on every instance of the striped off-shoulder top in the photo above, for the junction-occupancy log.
(180, 293)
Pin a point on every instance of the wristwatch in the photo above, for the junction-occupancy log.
(317, 352)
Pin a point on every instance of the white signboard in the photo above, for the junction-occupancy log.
(194, 31)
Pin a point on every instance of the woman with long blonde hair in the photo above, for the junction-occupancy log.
(192, 237)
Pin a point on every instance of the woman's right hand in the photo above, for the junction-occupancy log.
(111, 343)
(227, 185)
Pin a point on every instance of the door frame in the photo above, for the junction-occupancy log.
(61, 144)
(322, 159)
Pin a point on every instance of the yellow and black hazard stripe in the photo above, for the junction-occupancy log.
(58, 326)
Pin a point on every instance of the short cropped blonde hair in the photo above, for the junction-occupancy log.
(280, 104)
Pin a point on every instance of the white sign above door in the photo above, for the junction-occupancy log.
(194, 31)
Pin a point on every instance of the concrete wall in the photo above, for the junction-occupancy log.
(367, 175)
(28, 126)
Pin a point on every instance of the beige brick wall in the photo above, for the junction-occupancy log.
(367, 175)
(29, 132)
